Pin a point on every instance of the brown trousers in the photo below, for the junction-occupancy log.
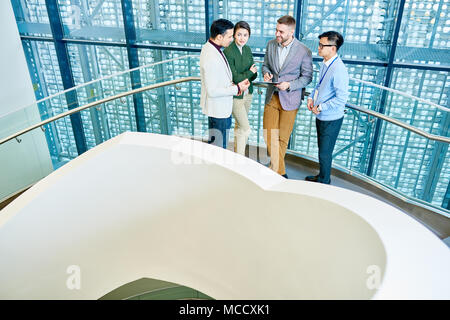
(277, 124)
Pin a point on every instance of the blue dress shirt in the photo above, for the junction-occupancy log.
(333, 91)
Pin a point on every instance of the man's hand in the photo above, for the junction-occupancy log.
(253, 68)
(310, 104)
(243, 85)
(283, 85)
(268, 77)
(314, 110)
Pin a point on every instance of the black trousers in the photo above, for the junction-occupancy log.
(327, 133)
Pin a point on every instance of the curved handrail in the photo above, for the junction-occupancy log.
(197, 56)
(400, 124)
(371, 84)
(402, 94)
(374, 182)
(96, 103)
(186, 79)
(108, 77)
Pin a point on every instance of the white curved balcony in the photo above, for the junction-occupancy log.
(178, 210)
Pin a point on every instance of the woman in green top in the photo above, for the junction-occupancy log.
(240, 59)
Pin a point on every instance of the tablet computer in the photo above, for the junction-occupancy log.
(266, 82)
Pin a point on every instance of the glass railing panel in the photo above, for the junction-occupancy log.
(25, 161)
(167, 65)
(404, 160)
(394, 166)
(354, 138)
(62, 147)
(411, 164)
(353, 143)
(107, 63)
(362, 92)
(352, 148)
(441, 196)
(167, 102)
(35, 154)
(431, 87)
(255, 116)
(18, 120)
(58, 134)
(184, 113)
(113, 118)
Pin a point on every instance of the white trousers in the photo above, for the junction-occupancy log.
(242, 127)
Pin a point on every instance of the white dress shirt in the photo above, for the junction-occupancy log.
(283, 52)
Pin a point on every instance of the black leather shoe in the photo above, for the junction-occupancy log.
(285, 176)
(312, 178)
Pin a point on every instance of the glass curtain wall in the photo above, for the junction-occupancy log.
(403, 44)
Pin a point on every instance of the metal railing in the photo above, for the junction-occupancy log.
(96, 103)
(99, 80)
(362, 118)
(187, 79)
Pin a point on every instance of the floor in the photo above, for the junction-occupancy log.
(298, 171)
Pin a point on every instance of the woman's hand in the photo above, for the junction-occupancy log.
(253, 69)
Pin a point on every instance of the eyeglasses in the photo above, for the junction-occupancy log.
(326, 45)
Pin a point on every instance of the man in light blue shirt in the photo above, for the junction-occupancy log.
(327, 101)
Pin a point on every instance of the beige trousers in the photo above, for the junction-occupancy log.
(277, 124)
(242, 128)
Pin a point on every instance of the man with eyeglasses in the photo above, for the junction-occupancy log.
(327, 101)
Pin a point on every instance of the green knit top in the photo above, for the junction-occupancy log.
(240, 64)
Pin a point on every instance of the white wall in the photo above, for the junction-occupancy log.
(21, 164)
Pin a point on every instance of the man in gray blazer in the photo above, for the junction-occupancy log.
(288, 64)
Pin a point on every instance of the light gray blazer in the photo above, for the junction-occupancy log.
(297, 69)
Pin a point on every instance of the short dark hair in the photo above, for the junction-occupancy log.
(334, 37)
(242, 25)
(220, 26)
(287, 20)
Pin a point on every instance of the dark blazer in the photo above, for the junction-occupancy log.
(240, 65)
(297, 69)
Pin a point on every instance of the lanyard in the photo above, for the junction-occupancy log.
(327, 70)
